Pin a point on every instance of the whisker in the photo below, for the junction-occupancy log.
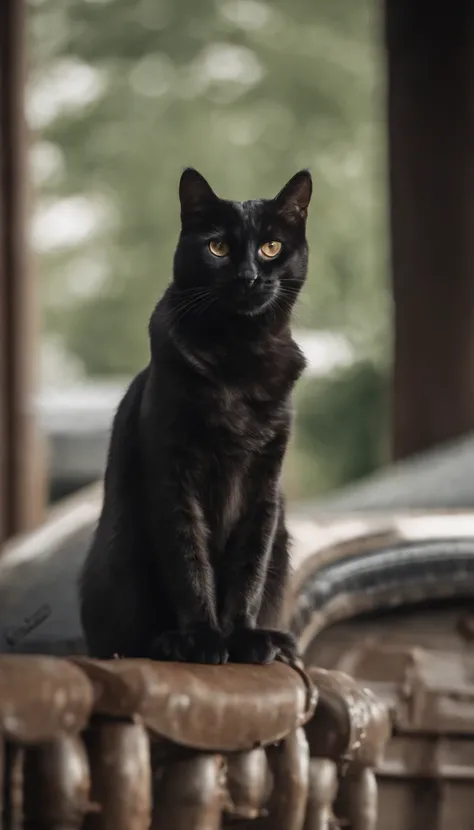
(196, 304)
(177, 313)
(296, 301)
(195, 289)
(206, 307)
(185, 300)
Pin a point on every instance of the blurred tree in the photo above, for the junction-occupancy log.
(341, 429)
(125, 93)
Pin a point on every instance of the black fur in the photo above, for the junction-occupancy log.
(190, 558)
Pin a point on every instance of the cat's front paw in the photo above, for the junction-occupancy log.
(193, 645)
(257, 645)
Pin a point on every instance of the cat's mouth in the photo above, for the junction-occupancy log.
(252, 306)
(254, 300)
(255, 310)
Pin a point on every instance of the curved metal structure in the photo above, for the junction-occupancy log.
(390, 602)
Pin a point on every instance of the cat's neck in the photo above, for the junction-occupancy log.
(210, 342)
(206, 322)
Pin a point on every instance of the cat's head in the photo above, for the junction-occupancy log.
(242, 257)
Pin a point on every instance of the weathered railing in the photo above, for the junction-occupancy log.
(130, 745)
(248, 763)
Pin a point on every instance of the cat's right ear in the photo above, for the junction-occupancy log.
(195, 193)
(293, 200)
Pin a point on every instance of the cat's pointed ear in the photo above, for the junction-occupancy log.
(293, 199)
(195, 194)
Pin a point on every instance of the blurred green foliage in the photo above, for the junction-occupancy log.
(248, 91)
(341, 429)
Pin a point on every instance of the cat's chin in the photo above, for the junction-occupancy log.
(255, 310)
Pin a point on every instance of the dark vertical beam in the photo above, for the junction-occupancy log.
(430, 48)
(20, 474)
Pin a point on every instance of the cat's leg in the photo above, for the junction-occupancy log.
(115, 602)
(114, 590)
(256, 571)
(180, 546)
(271, 608)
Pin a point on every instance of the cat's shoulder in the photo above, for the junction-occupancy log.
(133, 394)
(289, 360)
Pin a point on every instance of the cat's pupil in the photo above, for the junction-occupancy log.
(270, 249)
(218, 247)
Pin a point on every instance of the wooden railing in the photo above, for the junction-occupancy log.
(131, 745)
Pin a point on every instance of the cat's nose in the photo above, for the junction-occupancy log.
(249, 277)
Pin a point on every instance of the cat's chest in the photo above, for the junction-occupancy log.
(225, 499)
(246, 418)
(241, 429)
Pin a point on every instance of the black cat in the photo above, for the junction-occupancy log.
(190, 558)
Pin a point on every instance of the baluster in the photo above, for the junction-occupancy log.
(56, 785)
(247, 783)
(190, 794)
(13, 791)
(289, 765)
(119, 757)
(363, 800)
(3, 781)
(322, 792)
(360, 797)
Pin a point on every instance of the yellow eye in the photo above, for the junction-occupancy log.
(269, 250)
(218, 248)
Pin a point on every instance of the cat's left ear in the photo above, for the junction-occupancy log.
(195, 193)
(293, 199)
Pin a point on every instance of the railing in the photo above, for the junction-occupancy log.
(131, 745)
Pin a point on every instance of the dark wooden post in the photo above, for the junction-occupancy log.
(430, 49)
(21, 491)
